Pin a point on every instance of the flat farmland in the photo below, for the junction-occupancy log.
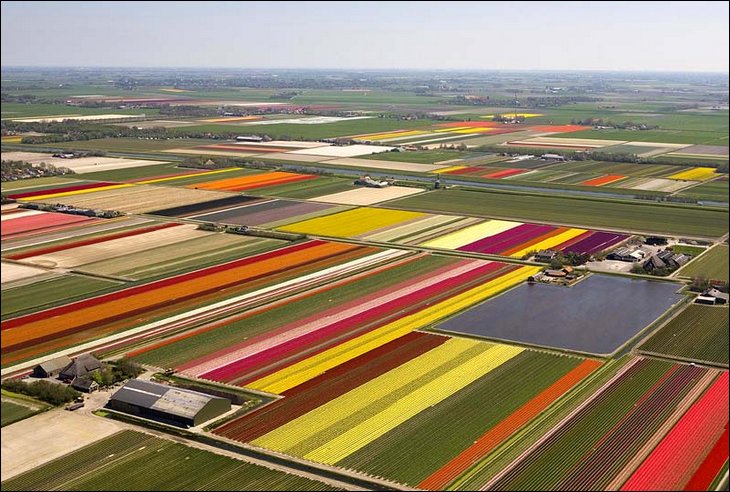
(648, 428)
(410, 428)
(13, 272)
(697, 333)
(33, 222)
(121, 246)
(665, 136)
(139, 173)
(667, 219)
(712, 264)
(323, 185)
(36, 183)
(286, 131)
(587, 322)
(197, 355)
(21, 110)
(266, 212)
(367, 196)
(82, 164)
(31, 335)
(716, 190)
(130, 460)
(423, 156)
(128, 144)
(627, 169)
(51, 292)
(12, 412)
(138, 199)
(173, 259)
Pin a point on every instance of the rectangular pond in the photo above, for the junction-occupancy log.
(596, 315)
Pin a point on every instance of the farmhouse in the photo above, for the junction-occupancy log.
(653, 263)
(79, 367)
(180, 407)
(51, 368)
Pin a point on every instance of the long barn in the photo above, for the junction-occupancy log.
(154, 401)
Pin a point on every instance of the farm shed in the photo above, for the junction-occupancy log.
(85, 384)
(249, 138)
(545, 256)
(720, 297)
(621, 254)
(175, 406)
(51, 367)
(80, 366)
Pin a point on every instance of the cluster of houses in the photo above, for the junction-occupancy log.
(662, 259)
(77, 372)
(650, 261)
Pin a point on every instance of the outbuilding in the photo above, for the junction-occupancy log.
(52, 367)
(167, 404)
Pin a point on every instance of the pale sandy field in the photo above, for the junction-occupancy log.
(91, 117)
(82, 164)
(11, 272)
(347, 151)
(367, 196)
(82, 255)
(392, 165)
(313, 120)
(139, 199)
(39, 439)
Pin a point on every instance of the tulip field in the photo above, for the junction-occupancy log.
(388, 344)
(497, 237)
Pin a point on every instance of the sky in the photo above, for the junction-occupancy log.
(644, 36)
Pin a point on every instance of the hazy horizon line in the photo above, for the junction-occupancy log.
(158, 67)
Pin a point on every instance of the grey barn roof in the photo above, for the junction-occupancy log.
(81, 366)
(174, 401)
(55, 364)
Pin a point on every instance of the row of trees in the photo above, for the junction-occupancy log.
(623, 126)
(53, 393)
(120, 371)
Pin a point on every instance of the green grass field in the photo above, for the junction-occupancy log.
(127, 144)
(11, 412)
(39, 183)
(649, 217)
(52, 292)
(130, 460)
(713, 191)
(712, 265)
(136, 173)
(698, 333)
(693, 251)
(323, 185)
